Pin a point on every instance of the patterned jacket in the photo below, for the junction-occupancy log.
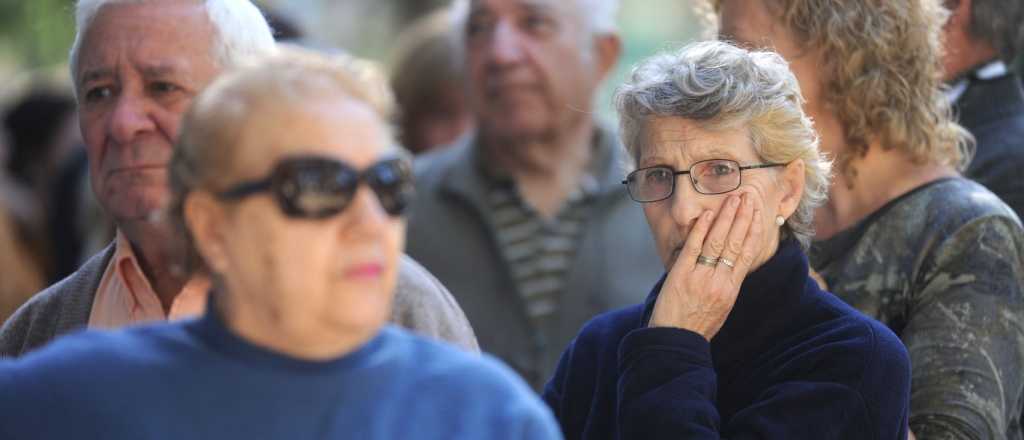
(943, 266)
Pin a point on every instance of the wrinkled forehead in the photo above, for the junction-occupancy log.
(157, 37)
(561, 8)
(681, 142)
(333, 126)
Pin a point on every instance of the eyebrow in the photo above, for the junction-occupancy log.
(533, 6)
(91, 75)
(536, 6)
(710, 153)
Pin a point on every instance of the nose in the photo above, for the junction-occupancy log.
(686, 204)
(365, 216)
(130, 117)
(506, 44)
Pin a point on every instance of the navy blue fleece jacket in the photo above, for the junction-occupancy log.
(790, 362)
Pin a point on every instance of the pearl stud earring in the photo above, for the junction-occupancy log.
(780, 220)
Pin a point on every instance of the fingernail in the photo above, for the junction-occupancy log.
(708, 215)
(746, 200)
(733, 201)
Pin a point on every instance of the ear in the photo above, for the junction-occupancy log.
(205, 220)
(792, 184)
(607, 49)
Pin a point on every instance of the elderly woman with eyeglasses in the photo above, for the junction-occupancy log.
(736, 340)
(293, 194)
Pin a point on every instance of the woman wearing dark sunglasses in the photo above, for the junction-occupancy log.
(292, 191)
(736, 340)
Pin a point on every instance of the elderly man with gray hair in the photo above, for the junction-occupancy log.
(525, 220)
(136, 66)
(981, 38)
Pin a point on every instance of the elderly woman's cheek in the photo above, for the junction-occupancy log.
(664, 229)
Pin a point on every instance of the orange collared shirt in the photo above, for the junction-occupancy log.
(126, 297)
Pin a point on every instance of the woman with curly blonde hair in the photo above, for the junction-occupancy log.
(903, 237)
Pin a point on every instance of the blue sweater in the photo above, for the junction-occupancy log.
(197, 380)
(790, 362)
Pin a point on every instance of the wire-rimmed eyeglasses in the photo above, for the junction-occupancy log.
(713, 176)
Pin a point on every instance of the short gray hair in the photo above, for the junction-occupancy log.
(240, 27)
(718, 86)
(999, 23)
(601, 15)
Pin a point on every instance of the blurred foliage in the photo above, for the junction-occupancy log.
(36, 33)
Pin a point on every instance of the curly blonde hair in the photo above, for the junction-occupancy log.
(882, 70)
(719, 86)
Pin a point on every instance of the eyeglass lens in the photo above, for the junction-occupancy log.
(714, 176)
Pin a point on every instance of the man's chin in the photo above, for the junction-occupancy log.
(518, 130)
(138, 210)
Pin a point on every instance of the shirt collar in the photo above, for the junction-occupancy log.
(985, 72)
(599, 177)
(125, 295)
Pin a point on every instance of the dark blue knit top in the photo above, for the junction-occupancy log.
(790, 362)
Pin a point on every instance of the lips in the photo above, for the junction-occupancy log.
(364, 271)
(137, 169)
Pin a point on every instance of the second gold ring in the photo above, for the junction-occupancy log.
(707, 261)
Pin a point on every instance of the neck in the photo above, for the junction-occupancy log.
(546, 170)
(161, 254)
(961, 58)
(875, 179)
(302, 340)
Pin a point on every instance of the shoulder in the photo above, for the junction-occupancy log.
(597, 345)
(953, 202)
(610, 327)
(95, 358)
(62, 307)
(944, 214)
(848, 348)
(961, 219)
(430, 168)
(467, 381)
(422, 304)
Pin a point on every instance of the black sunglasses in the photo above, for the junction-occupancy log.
(318, 187)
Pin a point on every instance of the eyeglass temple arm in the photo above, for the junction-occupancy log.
(245, 189)
(763, 165)
(674, 173)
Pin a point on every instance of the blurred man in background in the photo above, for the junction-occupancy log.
(526, 221)
(429, 81)
(982, 38)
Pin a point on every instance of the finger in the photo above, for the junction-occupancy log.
(738, 233)
(694, 241)
(751, 245)
(714, 244)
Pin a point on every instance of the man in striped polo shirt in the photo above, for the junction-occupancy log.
(526, 221)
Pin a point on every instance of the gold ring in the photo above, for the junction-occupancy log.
(727, 262)
(707, 261)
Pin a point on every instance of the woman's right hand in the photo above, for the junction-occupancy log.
(697, 296)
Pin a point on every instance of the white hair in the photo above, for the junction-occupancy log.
(601, 15)
(718, 85)
(240, 28)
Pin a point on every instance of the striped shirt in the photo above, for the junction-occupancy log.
(539, 250)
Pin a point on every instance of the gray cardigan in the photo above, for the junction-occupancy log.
(421, 304)
(451, 232)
